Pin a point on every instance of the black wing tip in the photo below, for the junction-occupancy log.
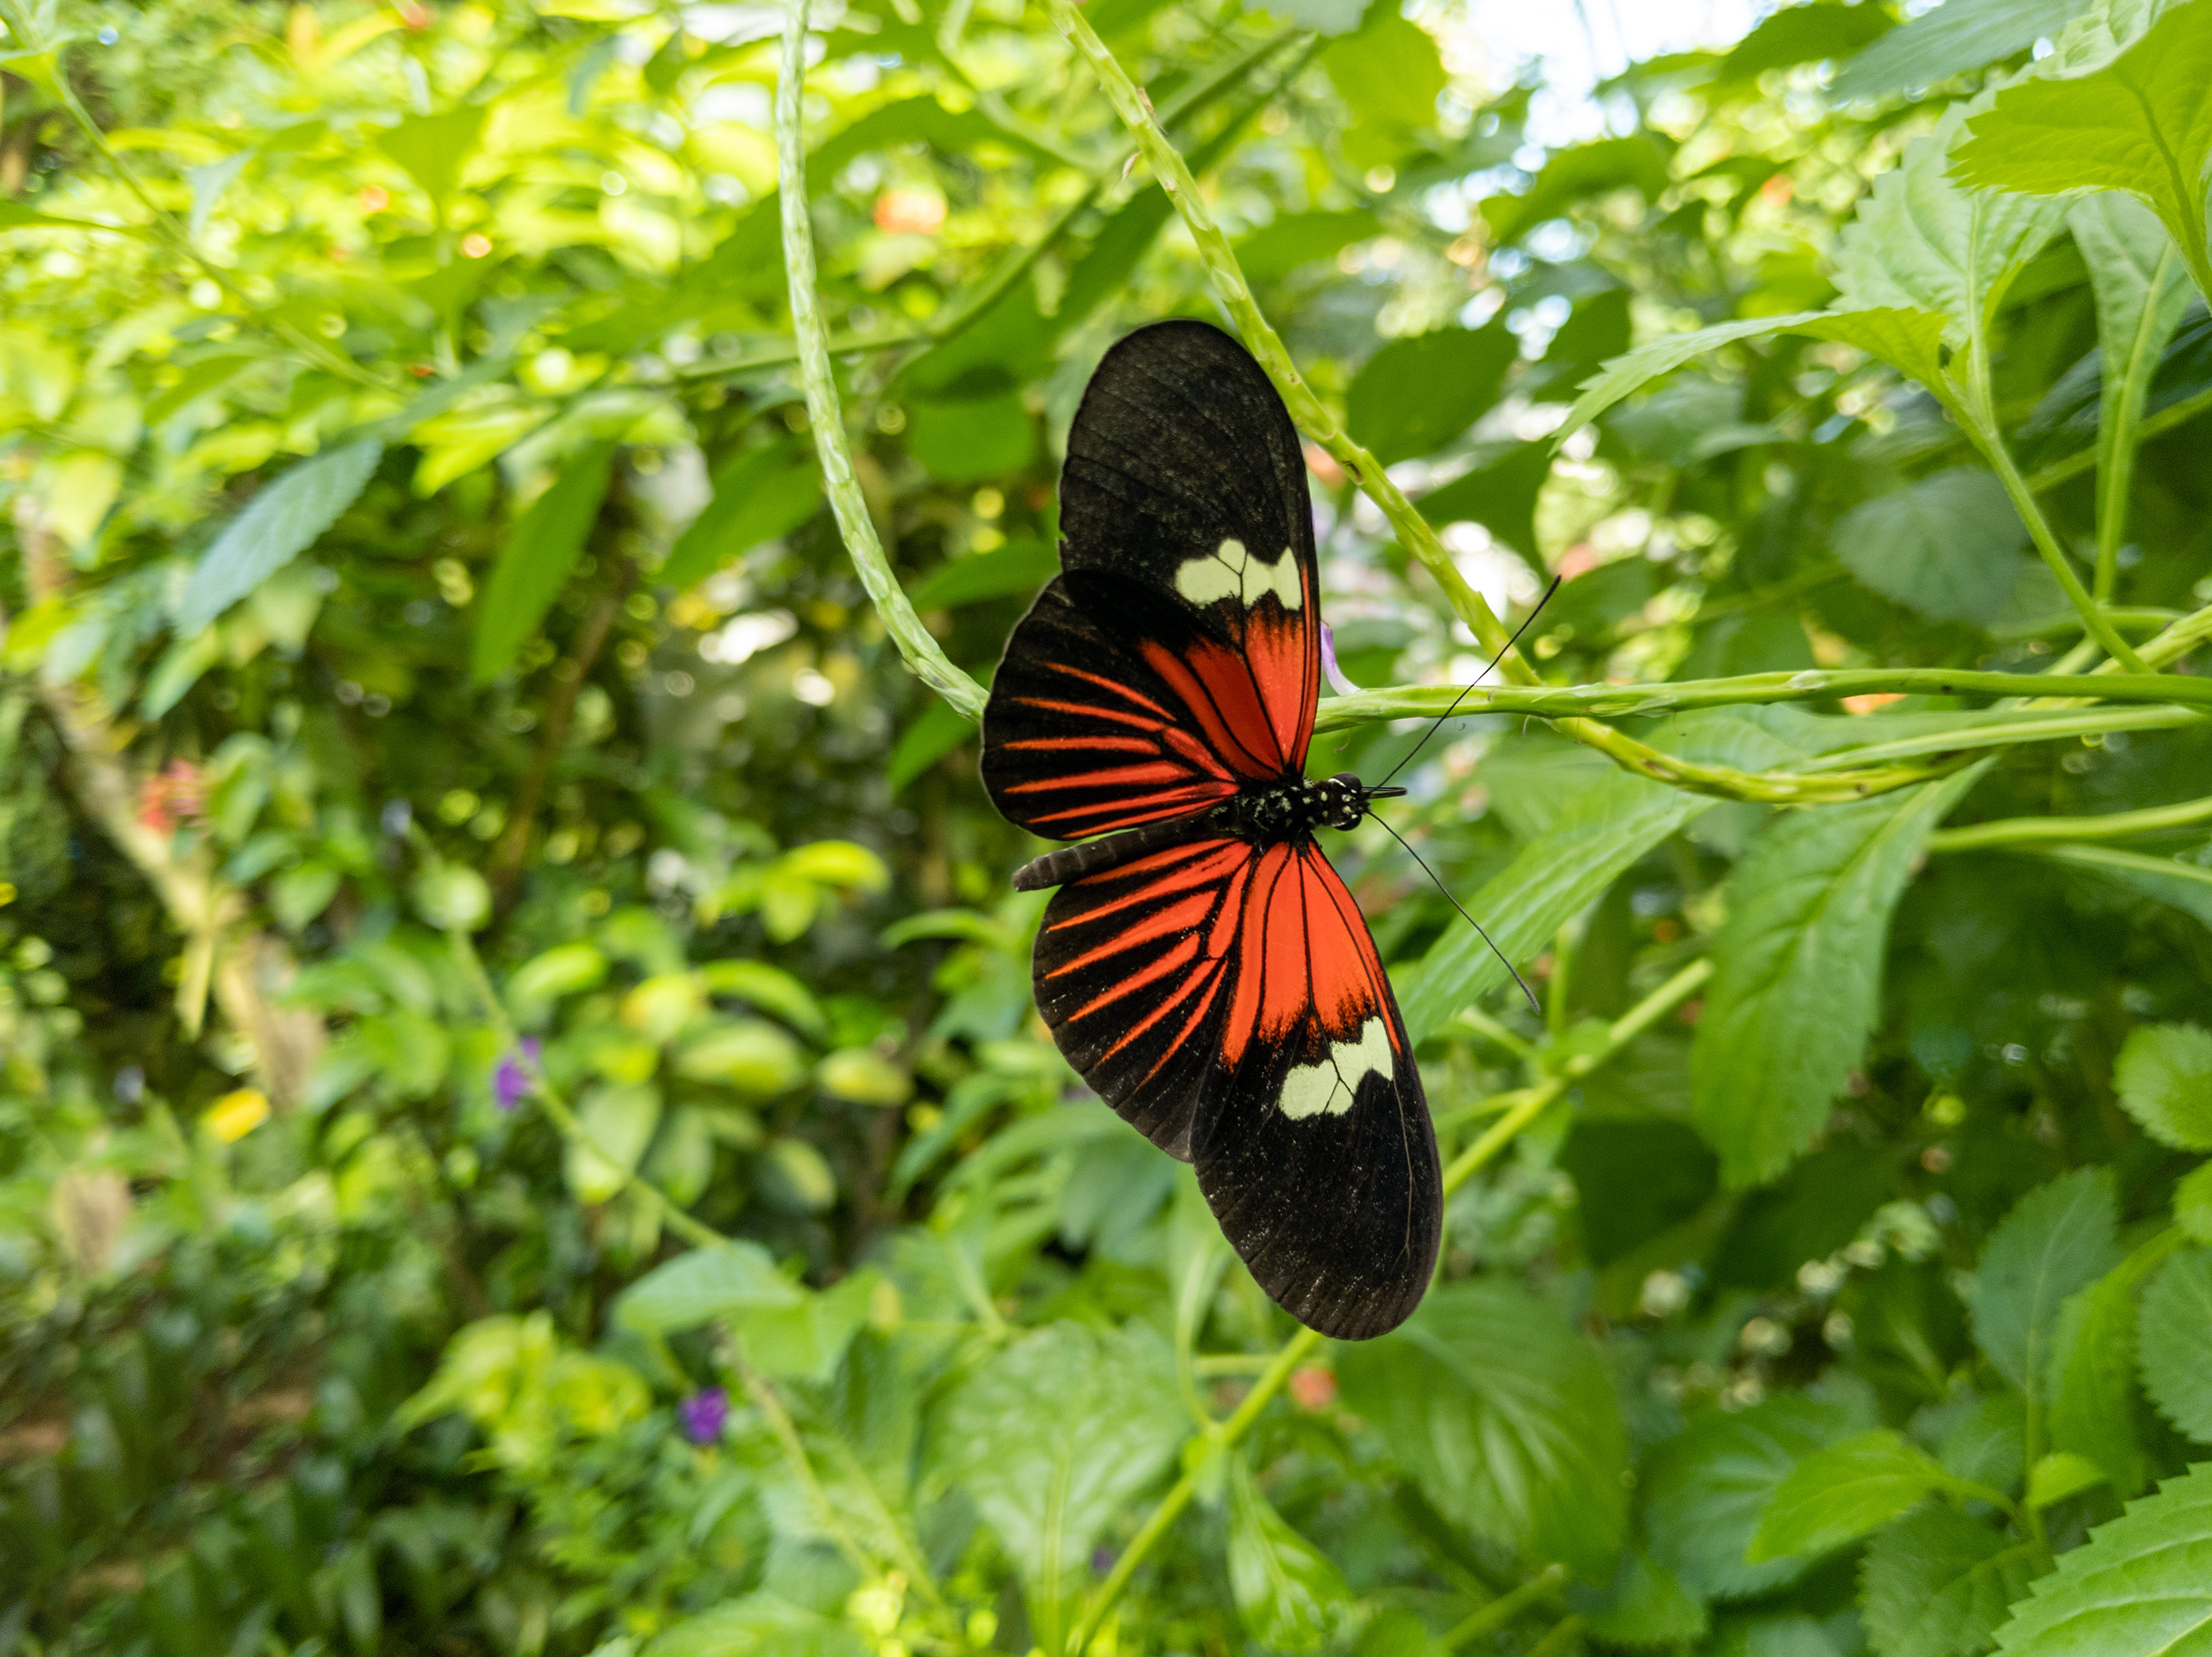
(1037, 874)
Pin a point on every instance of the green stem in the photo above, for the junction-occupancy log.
(1300, 1346)
(1999, 728)
(2116, 436)
(2134, 862)
(2112, 825)
(1992, 445)
(1488, 1619)
(924, 656)
(2153, 425)
(1635, 701)
(1562, 1637)
(695, 1232)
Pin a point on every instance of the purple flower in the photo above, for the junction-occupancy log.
(518, 1074)
(1344, 687)
(701, 1414)
(1102, 1559)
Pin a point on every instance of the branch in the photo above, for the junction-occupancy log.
(923, 654)
(2112, 825)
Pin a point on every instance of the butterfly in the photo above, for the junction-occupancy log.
(1200, 964)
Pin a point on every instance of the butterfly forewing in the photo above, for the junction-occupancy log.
(1211, 976)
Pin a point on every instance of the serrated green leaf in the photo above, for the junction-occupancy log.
(1947, 544)
(1937, 1583)
(1838, 1496)
(2143, 123)
(2058, 1240)
(2164, 1079)
(1644, 1607)
(1624, 377)
(1798, 971)
(2139, 1588)
(2102, 31)
(2175, 1336)
(1416, 394)
(1921, 240)
(759, 495)
(2091, 1387)
(1504, 1417)
(703, 1285)
(2192, 1203)
(1949, 40)
(533, 566)
(1703, 1490)
(1288, 1595)
(1052, 1439)
(278, 525)
(2141, 286)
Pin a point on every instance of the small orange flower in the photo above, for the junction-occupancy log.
(175, 797)
(374, 198)
(908, 212)
(1313, 1387)
(1871, 700)
(476, 244)
(412, 14)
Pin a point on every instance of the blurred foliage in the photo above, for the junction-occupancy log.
(465, 837)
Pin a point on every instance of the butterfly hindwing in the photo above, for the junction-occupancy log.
(1228, 1001)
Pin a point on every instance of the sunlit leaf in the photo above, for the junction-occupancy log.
(2137, 1588)
(278, 525)
(541, 549)
(2058, 1240)
(2175, 1336)
(1949, 40)
(1937, 1584)
(1288, 1595)
(2164, 1080)
(1839, 1495)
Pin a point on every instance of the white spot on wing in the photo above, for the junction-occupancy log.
(1331, 1086)
(1230, 572)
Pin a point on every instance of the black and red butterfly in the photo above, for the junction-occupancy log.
(1202, 965)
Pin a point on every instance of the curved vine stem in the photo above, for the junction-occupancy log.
(826, 415)
(1485, 1150)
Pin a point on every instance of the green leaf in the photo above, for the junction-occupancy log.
(1921, 240)
(618, 1119)
(2142, 290)
(1052, 1439)
(1016, 570)
(2175, 1334)
(2101, 32)
(2192, 1203)
(278, 524)
(965, 442)
(1389, 70)
(1504, 1417)
(1288, 1595)
(2059, 1475)
(1568, 867)
(1293, 240)
(1838, 1496)
(2058, 1240)
(560, 970)
(2092, 1385)
(178, 669)
(807, 1341)
(2164, 1079)
(1937, 1583)
(434, 149)
(939, 729)
(759, 1625)
(1798, 971)
(14, 215)
(1644, 1607)
(1954, 37)
(533, 566)
(749, 1055)
(1705, 1489)
(1501, 497)
(2143, 123)
(1624, 377)
(2138, 1587)
(1947, 545)
(1415, 395)
(705, 1284)
(1576, 173)
(768, 988)
(1803, 34)
(759, 495)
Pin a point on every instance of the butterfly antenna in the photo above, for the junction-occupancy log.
(1534, 1006)
(1470, 690)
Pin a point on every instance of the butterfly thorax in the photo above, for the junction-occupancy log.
(1294, 804)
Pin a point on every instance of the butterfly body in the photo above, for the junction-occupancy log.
(1201, 963)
